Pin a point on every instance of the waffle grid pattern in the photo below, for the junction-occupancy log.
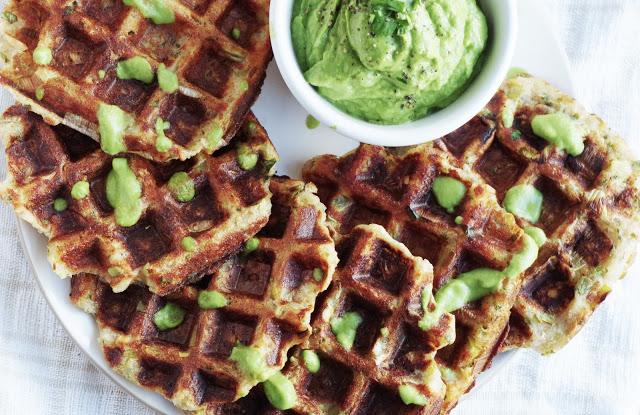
(190, 364)
(229, 206)
(380, 280)
(393, 189)
(218, 49)
(589, 214)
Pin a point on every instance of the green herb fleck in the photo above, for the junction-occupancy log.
(318, 274)
(10, 17)
(39, 93)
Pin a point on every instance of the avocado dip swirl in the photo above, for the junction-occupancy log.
(388, 61)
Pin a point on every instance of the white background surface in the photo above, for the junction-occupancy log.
(42, 371)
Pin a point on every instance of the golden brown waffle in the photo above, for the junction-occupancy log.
(271, 293)
(393, 189)
(229, 206)
(218, 49)
(381, 281)
(590, 214)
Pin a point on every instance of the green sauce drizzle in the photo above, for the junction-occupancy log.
(155, 10)
(60, 205)
(561, 130)
(169, 317)
(189, 244)
(247, 158)
(311, 122)
(137, 68)
(537, 234)
(80, 190)
(345, 328)
(524, 201)
(251, 362)
(280, 392)
(42, 55)
(163, 143)
(124, 192)
(311, 360)
(182, 187)
(476, 284)
(112, 123)
(211, 299)
(410, 395)
(214, 138)
(167, 79)
(449, 192)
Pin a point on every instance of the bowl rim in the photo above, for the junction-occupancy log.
(497, 62)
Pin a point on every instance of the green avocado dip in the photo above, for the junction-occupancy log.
(389, 61)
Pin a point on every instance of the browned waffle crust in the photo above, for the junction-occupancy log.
(379, 279)
(230, 204)
(220, 70)
(271, 293)
(590, 212)
(393, 189)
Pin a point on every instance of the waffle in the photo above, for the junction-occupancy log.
(270, 292)
(379, 279)
(590, 212)
(218, 49)
(393, 189)
(230, 204)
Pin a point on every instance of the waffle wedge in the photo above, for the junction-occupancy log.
(381, 282)
(219, 51)
(590, 212)
(394, 189)
(270, 294)
(228, 205)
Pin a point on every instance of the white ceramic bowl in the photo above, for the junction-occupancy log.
(503, 26)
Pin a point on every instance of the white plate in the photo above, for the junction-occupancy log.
(538, 51)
